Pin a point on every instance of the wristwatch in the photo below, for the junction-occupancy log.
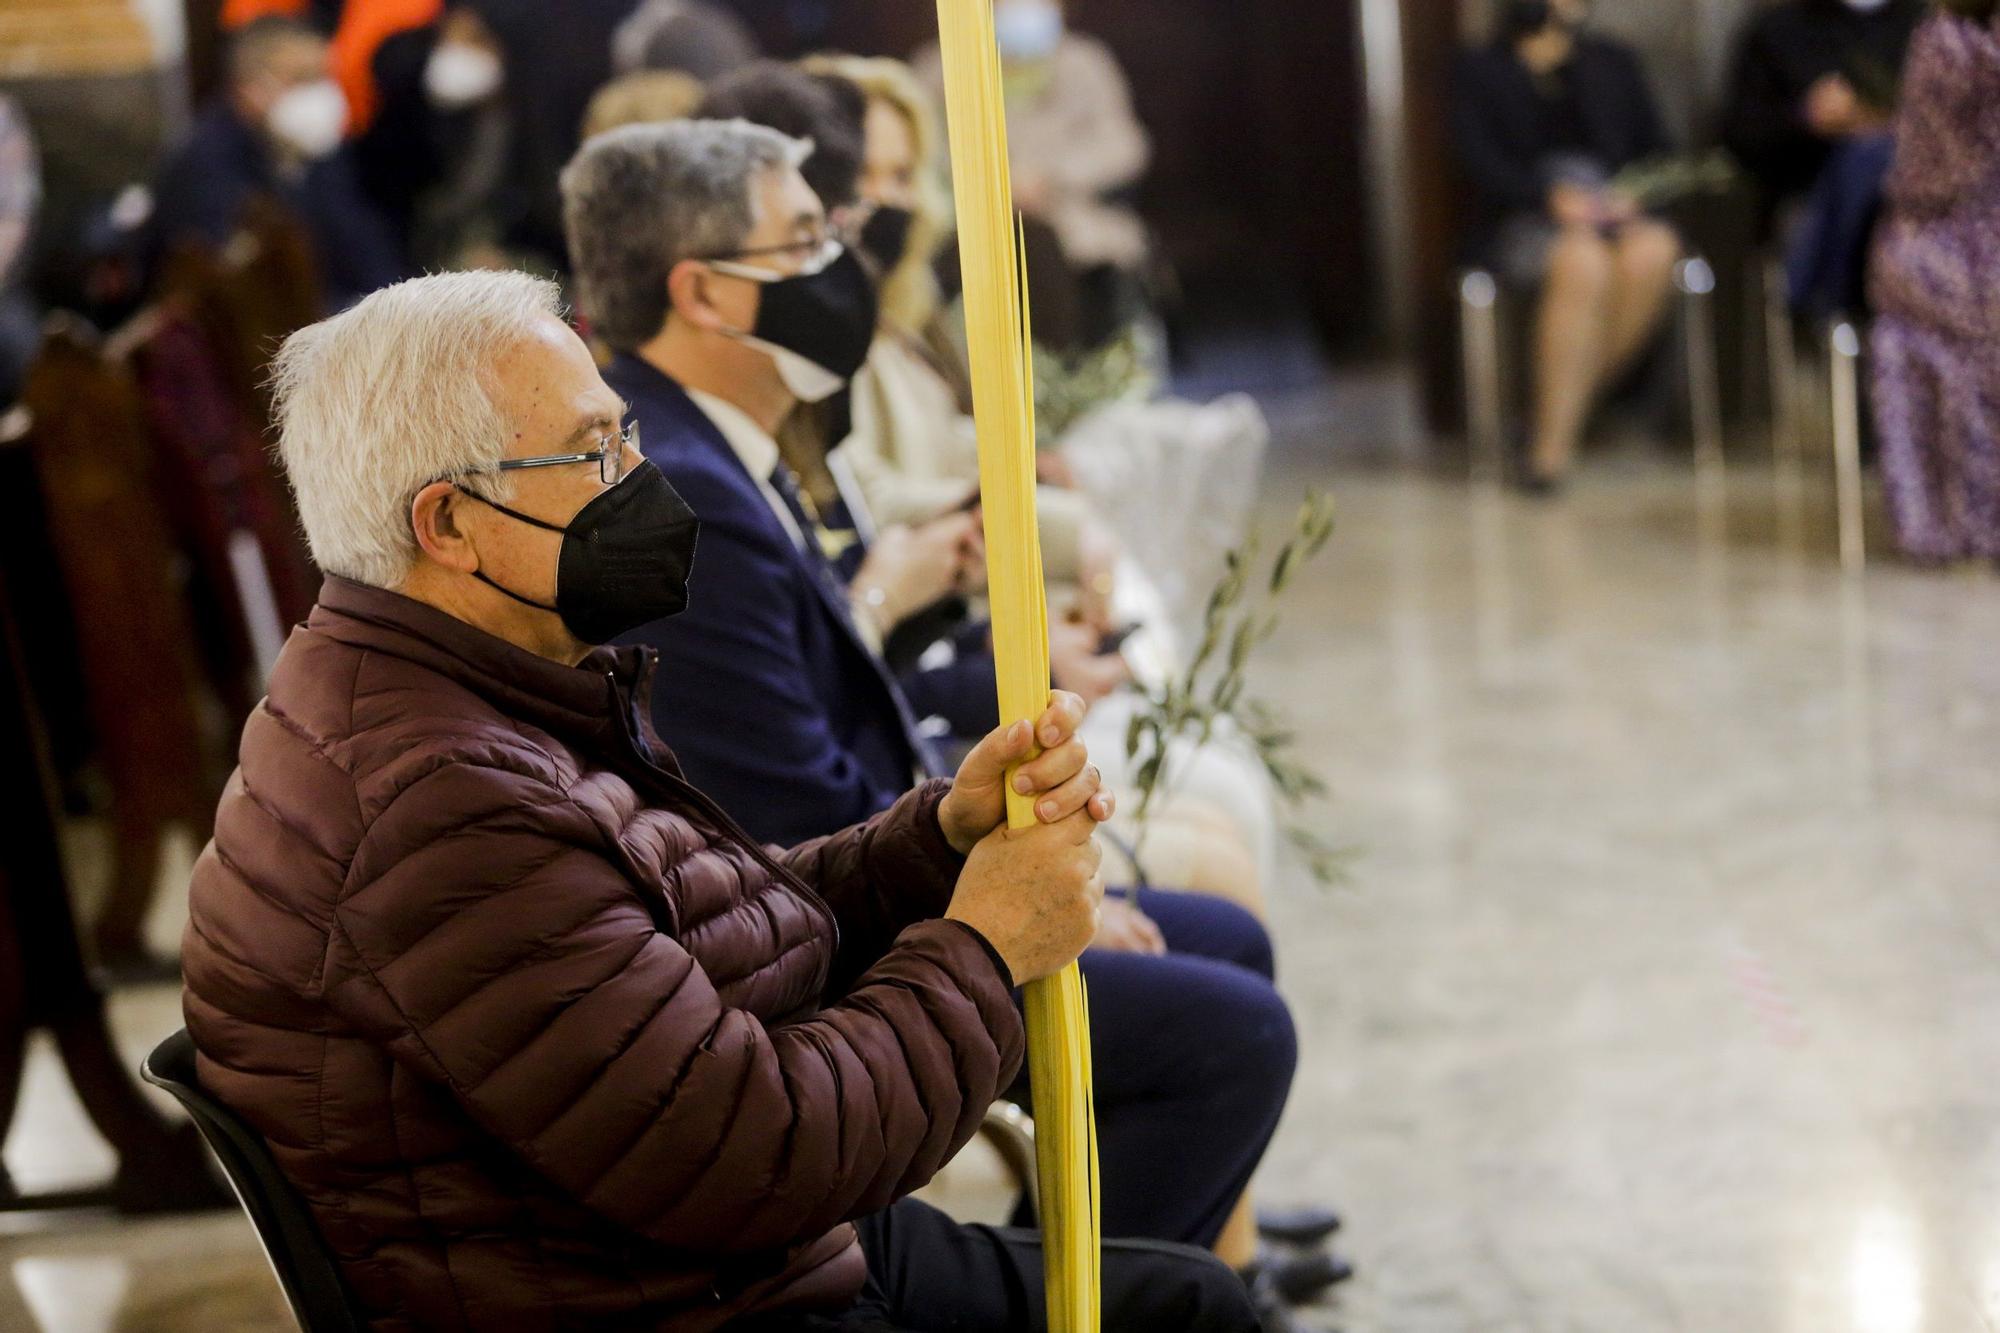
(876, 598)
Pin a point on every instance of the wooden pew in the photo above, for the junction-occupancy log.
(126, 584)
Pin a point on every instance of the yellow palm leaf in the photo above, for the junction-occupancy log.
(1003, 398)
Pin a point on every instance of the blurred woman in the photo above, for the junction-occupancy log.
(912, 447)
(643, 97)
(1076, 151)
(438, 154)
(1936, 338)
(913, 454)
(1544, 118)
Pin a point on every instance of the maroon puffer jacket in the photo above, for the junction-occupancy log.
(545, 1040)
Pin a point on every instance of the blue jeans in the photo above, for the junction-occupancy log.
(1826, 267)
(1193, 1055)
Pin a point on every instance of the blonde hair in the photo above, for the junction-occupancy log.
(647, 97)
(910, 294)
(393, 394)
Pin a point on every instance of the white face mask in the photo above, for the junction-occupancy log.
(1028, 29)
(1866, 6)
(459, 74)
(310, 118)
(808, 380)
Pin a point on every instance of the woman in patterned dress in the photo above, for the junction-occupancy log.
(1935, 285)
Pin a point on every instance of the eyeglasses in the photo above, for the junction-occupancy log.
(610, 457)
(813, 255)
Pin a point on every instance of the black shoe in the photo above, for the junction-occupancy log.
(1305, 1226)
(1301, 1279)
(1537, 485)
(1275, 1314)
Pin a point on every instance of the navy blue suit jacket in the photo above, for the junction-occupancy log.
(766, 693)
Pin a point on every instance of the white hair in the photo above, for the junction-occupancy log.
(391, 395)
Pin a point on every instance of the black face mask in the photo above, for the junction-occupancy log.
(625, 557)
(886, 237)
(826, 317)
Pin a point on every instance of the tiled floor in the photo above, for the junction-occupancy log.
(1666, 991)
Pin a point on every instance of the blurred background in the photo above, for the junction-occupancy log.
(1657, 708)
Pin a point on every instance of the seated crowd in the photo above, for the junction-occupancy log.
(611, 921)
(1869, 133)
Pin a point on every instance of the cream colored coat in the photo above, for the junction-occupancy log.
(914, 455)
(1078, 133)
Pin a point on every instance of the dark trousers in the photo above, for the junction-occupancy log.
(929, 1274)
(1193, 1055)
(1827, 265)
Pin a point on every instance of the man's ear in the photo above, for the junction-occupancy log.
(689, 288)
(434, 517)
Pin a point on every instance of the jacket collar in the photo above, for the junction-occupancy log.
(578, 704)
(636, 377)
(658, 398)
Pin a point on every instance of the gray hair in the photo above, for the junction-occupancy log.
(688, 36)
(391, 395)
(252, 47)
(639, 199)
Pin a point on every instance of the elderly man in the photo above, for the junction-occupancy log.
(544, 1039)
(705, 261)
(275, 130)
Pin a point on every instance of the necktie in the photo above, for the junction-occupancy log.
(814, 554)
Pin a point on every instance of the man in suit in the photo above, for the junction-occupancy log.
(707, 264)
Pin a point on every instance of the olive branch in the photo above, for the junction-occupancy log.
(1211, 689)
(1671, 177)
(1069, 388)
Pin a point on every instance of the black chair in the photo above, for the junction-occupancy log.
(305, 1267)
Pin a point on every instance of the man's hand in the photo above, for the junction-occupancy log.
(1573, 205)
(1833, 110)
(1123, 928)
(1034, 893)
(1033, 193)
(1097, 575)
(1077, 665)
(1061, 777)
(971, 552)
(914, 568)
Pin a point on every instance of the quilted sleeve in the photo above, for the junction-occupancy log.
(880, 877)
(503, 956)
